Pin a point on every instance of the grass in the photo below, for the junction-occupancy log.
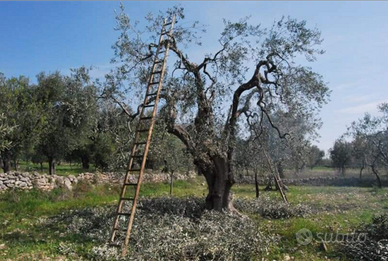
(64, 169)
(23, 237)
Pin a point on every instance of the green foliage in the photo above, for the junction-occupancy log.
(20, 118)
(70, 106)
(341, 154)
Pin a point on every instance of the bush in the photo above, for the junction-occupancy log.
(375, 246)
(172, 229)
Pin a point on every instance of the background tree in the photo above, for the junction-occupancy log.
(314, 156)
(70, 103)
(21, 118)
(168, 152)
(254, 71)
(341, 155)
(370, 142)
(5, 130)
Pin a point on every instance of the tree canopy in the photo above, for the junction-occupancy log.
(253, 74)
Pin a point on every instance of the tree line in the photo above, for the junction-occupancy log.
(364, 145)
(63, 118)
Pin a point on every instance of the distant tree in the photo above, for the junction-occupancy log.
(370, 142)
(20, 118)
(113, 136)
(292, 150)
(170, 151)
(341, 155)
(5, 130)
(249, 156)
(198, 93)
(314, 156)
(70, 104)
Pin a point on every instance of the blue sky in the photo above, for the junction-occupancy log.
(49, 36)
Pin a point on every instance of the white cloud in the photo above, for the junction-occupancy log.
(356, 98)
(368, 107)
(344, 86)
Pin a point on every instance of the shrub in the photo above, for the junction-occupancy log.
(81, 188)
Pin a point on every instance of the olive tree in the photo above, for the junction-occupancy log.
(341, 155)
(370, 142)
(20, 118)
(70, 103)
(315, 156)
(252, 73)
(5, 130)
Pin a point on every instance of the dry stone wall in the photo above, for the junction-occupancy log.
(29, 180)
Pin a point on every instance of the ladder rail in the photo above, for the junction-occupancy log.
(276, 177)
(146, 143)
(131, 218)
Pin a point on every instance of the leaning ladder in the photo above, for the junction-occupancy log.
(126, 208)
(278, 182)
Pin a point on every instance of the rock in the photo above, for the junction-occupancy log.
(10, 185)
(25, 179)
(67, 184)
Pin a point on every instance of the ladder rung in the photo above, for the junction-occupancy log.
(126, 198)
(165, 32)
(137, 156)
(144, 130)
(156, 72)
(167, 23)
(151, 94)
(113, 244)
(159, 61)
(153, 83)
(148, 106)
(163, 51)
(130, 184)
(141, 143)
(146, 118)
(123, 214)
(118, 229)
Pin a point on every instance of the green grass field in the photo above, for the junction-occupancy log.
(63, 169)
(24, 238)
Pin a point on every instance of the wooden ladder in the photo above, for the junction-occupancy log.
(278, 182)
(126, 208)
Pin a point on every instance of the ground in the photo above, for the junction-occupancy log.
(25, 233)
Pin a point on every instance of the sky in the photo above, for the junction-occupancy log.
(50, 36)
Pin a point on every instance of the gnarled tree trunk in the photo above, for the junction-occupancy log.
(85, 162)
(6, 158)
(52, 166)
(256, 185)
(377, 174)
(219, 183)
